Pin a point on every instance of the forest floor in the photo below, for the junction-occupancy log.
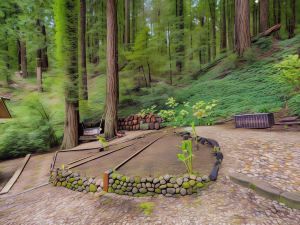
(270, 155)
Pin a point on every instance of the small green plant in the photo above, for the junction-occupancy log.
(171, 102)
(187, 155)
(147, 207)
(203, 111)
(250, 55)
(167, 115)
(150, 110)
(102, 141)
(194, 135)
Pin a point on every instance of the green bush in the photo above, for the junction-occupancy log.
(31, 131)
(264, 43)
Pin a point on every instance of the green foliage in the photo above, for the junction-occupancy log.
(147, 207)
(250, 55)
(290, 71)
(32, 131)
(264, 43)
(187, 155)
(230, 62)
(102, 141)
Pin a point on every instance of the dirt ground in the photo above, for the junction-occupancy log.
(161, 158)
(7, 169)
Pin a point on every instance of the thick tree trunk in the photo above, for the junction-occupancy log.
(23, 58)
(263, 15)
(242, 26)
(170, 56)
(180, 36)
(70, 139)
(127, 23)
(212, 8)
(111, 113)
(223, 26)
(83, 49)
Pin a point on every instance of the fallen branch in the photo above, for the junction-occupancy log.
(267, 33)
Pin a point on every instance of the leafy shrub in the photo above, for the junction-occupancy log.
(32, 131)
(294, 104)
(250, 55)
(230, 62)
(290, 71)
(264, 43)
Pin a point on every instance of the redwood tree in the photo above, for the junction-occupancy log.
(66, 18)
(83, 49)
(23, 56)
(111, 111)
(242, 26)
(223, 44)
(180, 36)
(263, 15)
(127, 23)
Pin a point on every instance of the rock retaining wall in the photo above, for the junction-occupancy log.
(138, 122)
(73, 181)
(167, 185)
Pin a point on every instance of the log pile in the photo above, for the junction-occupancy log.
(138, 122)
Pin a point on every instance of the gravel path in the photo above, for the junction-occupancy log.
(272, 156)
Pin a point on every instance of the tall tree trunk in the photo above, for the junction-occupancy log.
(169, 53)
(19, 54)
(242, 26)
(212, 8)
(223, 26)
(254, 17)
(208, 44)
(23, 58)
(69, 33)
(127, 23)
(111, 113)
(291, 17)
(134, 20)
(83, 49)
(180, 36)
(231, 17)
(39, 75)
(263, 15)
(45, 61)
(276, 15)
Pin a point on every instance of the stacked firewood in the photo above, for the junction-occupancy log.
(138, 122)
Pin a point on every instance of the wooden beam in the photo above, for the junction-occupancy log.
(16, 175)
(96, 157)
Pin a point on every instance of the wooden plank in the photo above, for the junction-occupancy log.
(96, 157)
(53, 161)
(77, 160)
(16, 175)
(138, 152)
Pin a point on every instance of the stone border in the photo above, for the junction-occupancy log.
(73, 181)
(166, 185)
(290, 199)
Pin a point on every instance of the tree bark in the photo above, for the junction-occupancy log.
(291, 17)
(223, 26)
(45, 61)
(83, 49)
(212, 8)
(127, 23)
(276, 15)
(180, 36)
(70, 52)
(23, 58)
(242, 26)
(39, 75)
(263, 15)
(231, 16)
(111, 113)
